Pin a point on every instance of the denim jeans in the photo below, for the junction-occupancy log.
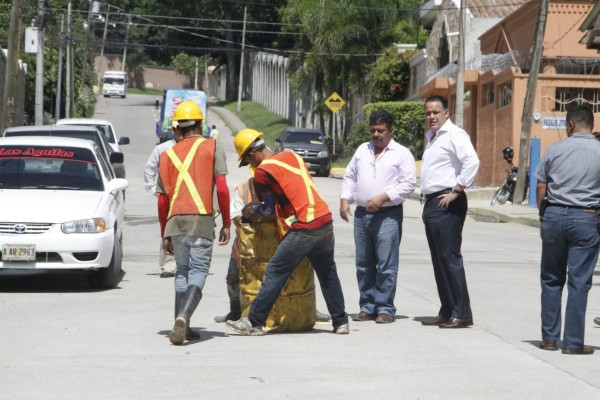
(317, 245)
(570, 242)
(377, 245)
(443, 228)
(192, 255)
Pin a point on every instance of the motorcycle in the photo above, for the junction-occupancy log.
(506, 191)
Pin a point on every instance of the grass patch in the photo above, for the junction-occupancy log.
(255, 116)
(152, 92)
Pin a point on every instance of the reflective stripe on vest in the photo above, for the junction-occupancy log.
(303, 215)
(202, 207)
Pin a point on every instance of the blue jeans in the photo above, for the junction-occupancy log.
(377, 245)
(317, 245)
(192, 255)
(570, 242)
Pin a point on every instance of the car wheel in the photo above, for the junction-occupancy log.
(109, 277)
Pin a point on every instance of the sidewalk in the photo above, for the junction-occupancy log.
(479, 198)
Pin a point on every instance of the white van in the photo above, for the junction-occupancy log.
(114, 83)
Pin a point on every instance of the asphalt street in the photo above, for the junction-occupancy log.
(60, 339)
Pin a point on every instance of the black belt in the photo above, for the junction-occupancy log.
(381, 209)
(436, 194)
(575, 207)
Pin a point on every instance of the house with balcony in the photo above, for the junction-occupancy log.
(496, 81)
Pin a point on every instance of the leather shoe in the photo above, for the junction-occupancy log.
(384, 318)
(440, 319)
(548, 345)
(363, 316)
(457, 323)
(583, 350)
(597, 320)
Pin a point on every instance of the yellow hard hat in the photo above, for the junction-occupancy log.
(187, 111)
(244, 139)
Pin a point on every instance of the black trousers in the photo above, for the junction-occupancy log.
(443, 227)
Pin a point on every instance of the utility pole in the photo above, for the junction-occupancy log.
(196, 75)
(524, 144)
(68, 88)
(12, 59)
(206, 75)
(101, 65)
(126, 40)
(460, 77)
(241, 83)
(59, 78)
(39, 67)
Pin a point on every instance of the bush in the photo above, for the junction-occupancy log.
(85, 102)
(408, 125)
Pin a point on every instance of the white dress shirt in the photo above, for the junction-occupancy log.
(449, 160)
(393, 172)
(151, 167)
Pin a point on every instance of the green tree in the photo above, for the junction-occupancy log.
(339, 42)
(390, 76)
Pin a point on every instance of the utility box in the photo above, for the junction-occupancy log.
(31, 40)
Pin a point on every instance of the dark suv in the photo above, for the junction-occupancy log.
(310, 145)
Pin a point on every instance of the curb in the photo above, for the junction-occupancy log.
(505, 218)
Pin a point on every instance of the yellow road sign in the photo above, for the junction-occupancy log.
(334, 102)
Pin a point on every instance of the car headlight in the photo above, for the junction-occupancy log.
(92, 225)
(323, 154)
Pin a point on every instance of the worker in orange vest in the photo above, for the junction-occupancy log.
(189, 172)
(304, 222)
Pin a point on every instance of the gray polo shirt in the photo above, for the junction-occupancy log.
(571, 168)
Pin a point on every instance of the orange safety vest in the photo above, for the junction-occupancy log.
(248, 195)
(187, 174)
(290, 171)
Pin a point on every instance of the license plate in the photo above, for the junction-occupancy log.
(18, 252)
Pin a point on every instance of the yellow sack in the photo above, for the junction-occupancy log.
(295, 309)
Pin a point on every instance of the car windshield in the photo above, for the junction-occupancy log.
(88, 135)
(115, 81)
(304, 137)
(103, 129)
(49, 167)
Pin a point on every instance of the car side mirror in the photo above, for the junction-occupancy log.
(278, 140)
(116, 158)
(124, 140)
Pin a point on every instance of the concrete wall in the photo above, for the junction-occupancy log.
(150, 78)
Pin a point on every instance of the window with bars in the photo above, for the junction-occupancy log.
(488, 94)
(505, 95)
(586, 96)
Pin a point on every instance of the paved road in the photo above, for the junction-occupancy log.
(61, 340)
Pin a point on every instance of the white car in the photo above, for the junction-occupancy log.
(61, 208)
(104, 126)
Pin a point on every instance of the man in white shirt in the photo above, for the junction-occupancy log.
(379, 177)
(166, 262)
(449, 165)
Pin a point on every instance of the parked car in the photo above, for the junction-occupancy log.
(310, 145)
(105, 127)
(62, 208)
(81, 132)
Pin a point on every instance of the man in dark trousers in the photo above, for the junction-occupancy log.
(449, 166)
(569, 180)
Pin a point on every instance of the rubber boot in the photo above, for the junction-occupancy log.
(186, 307)
(322, 317)
(190, 334)
(235, 310)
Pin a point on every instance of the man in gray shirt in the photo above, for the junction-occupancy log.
(569, 179)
